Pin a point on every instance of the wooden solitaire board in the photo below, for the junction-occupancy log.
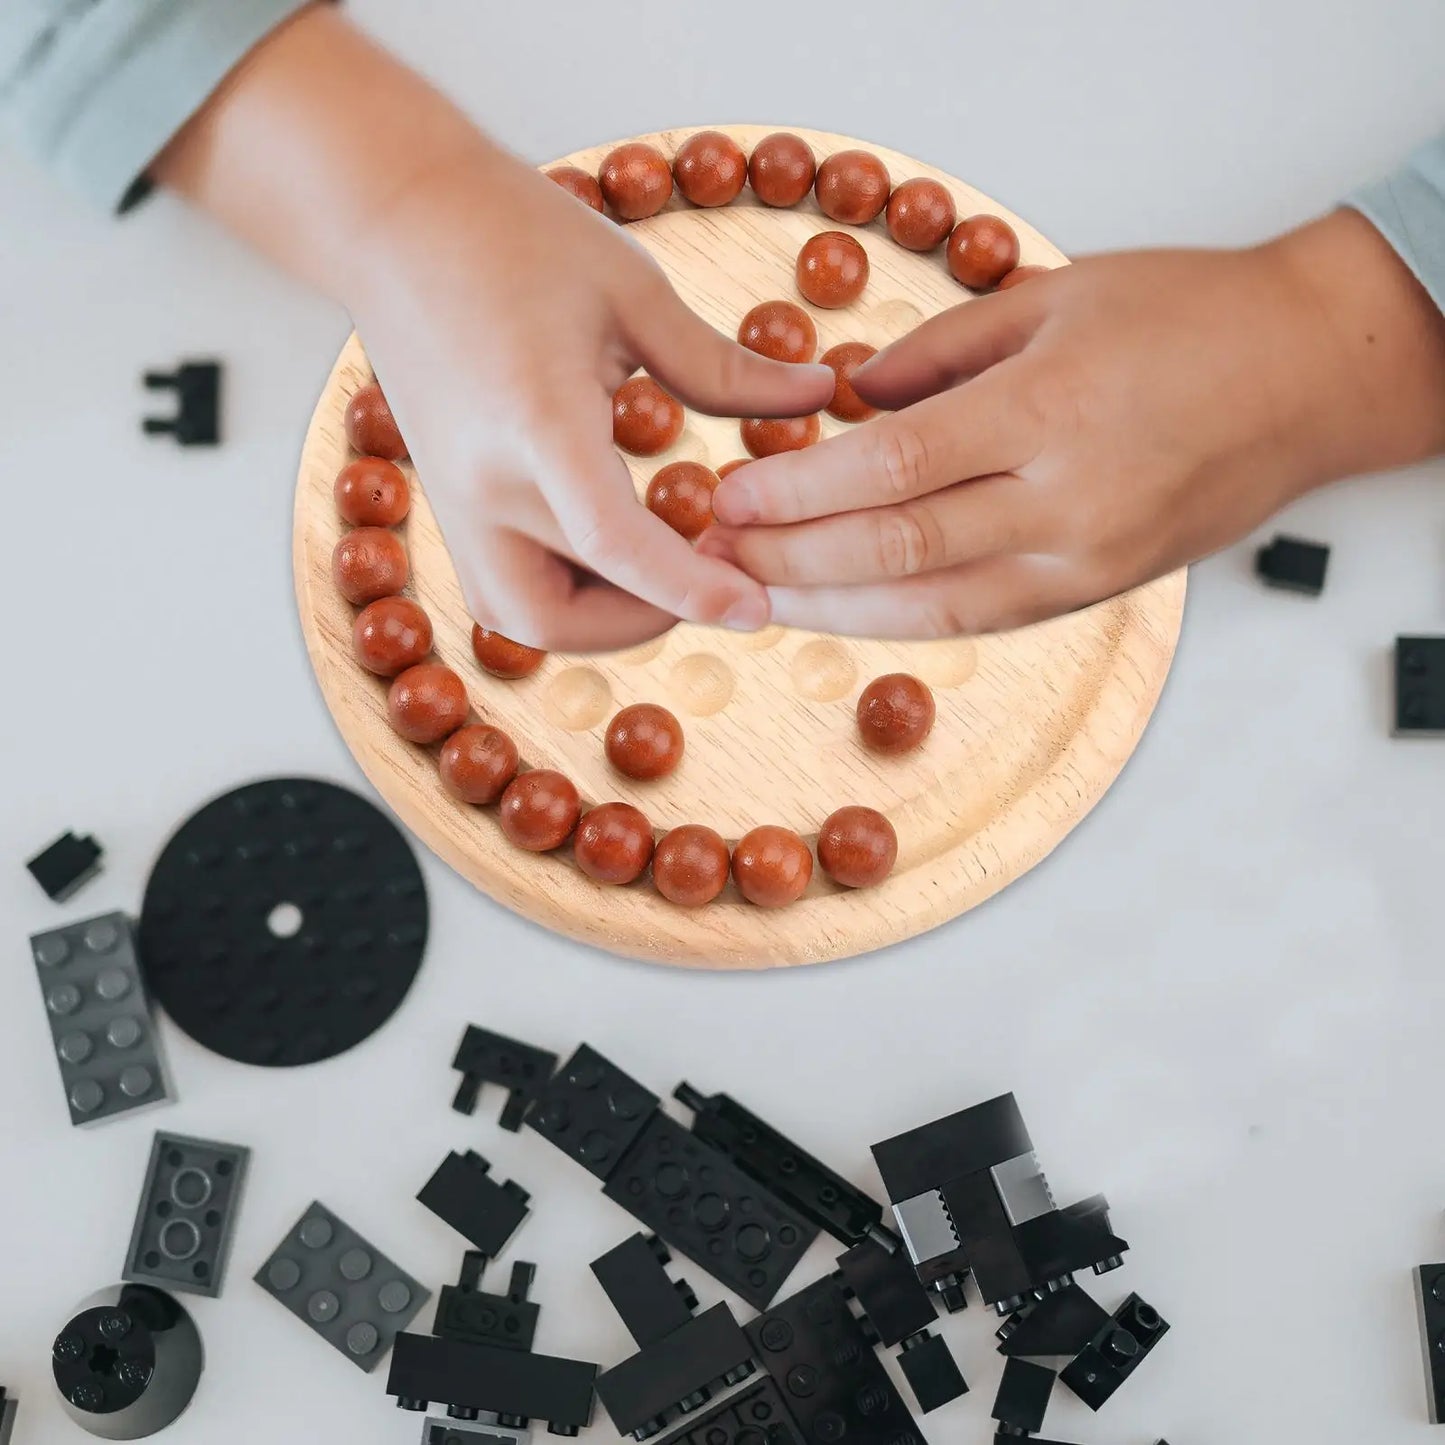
(1032, 726)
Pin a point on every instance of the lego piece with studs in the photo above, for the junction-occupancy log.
(438, 1431)
(486, 1058)
(187, 1214)
(888, 1291)
(932, 1243)
(341, 1286)
(197, 421)
(1293, 564)
(1115, 1352)
(1061, 1323)
(757, 1415)
(66, 866)
(1023, 1398)
(814, 1190)
(676, 1374)
(1058, 1245)
(592, 1111)
(464, 1195)
(931, 1371)
(100, 1019)
(1430, 1306)
(1419, 687)
(467, 1312)
(964, 1143)
(700, 1204)
(988, 1241)
(515, 1385)
(632, 1277)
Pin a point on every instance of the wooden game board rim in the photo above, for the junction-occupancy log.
(636, 921)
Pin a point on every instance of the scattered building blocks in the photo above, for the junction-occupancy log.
(1294, 565)
(1115, 1352)
(814, 1190)
(468, 1313)
(515, 1385)
(470, 1432)
(1430, 1304)
(66, 866)
(1420, 686)
(650, 1304)
(676, 1374)
(888, 1291)
(197, 422)
(343, 1287)
(100, 1020)
(486, 1058)
(931, 1371)
(464, 1195)
(1061, 1323)
(754, 1416)
(592, 1111)
(187, 1213)
(1023, 1398)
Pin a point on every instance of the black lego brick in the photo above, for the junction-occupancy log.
(522, 1070)
(9, 1407)
(469, 1313)
(754, 1416)
(1061, 1323)
(794, 1175)
(1419, 686)
(1430, 1304)
(1115, 1352)
(514, 1383)
(649, 1303)
(197, 420)
(1294, 565)
(699, 1203)
(888, 1291)
(987, 1239)
(676, 1373)
(66, 866)
(835, 1387)
(1065, 1242)
(931, 1371)
(1023, 1397)
(463, 1193)
(470, 1432)
(591, 1111)
(964, 1143)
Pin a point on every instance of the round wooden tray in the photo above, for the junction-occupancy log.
(1032, 726)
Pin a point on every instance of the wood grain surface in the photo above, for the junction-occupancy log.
(1032, 726)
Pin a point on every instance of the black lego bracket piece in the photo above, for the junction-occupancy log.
(591, 1111)
(988, 1241)
(1293, 564)
(814, 1190)
(1430, 1305)
(486, 1058)
(931, 1371)
(632, 1277)
(757, 1415)
(1115, 1352)
(968, 1142)
(1060, 1324)
(197, 421)
(1023, 1398)
(463, 1194)
(1419, 687)
(888, 1291)
(515, 1385)
(66, 866)
(1063, 1242)
(468, 1313)
(676, 1374)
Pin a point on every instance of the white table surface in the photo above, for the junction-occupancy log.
(1219, 1001)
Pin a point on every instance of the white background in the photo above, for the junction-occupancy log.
(1219, 1002)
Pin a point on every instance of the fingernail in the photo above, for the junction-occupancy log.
(747, 614)
(735, 503)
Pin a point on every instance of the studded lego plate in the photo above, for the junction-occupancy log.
(1032, 726)
(283, 923)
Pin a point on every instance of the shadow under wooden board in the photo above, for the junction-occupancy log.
(1032, 726)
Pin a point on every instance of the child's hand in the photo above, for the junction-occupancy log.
(1090, 430)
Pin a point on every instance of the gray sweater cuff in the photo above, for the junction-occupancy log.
(1408, 209)
(100, 92)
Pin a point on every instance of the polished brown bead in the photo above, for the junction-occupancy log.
(728, 468)
(781, 330)
(710, 168)
(636, 180)
(613, 843)
(845, 359)
(426, 703)
(921, 213)
(370, 427)
(832, 269)
(477, 762)
(579, 183)
(644, 741)
(368, 563)
(501, 656)
(782, 169)
(539, 810)
(391, 635)
(372, 492)
(895, 713)
(771, 866)
(857, 847)
(982, 250)
(690, 866)
(765, 436)
(852, 187)
(646, 419)
(681, 494)
(1020, 274)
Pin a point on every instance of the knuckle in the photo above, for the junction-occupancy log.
(905, 545)
(902, 457)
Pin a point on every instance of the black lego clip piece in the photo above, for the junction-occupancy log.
(463, 1193)
(1060, 1324)
(197, 422)
(1294, 565)
(468, 1313)
(1115, 1352)
(66, 866)
(487, 1058)
(632, 1277)
(1419, 686)
(931, 1371)
(1063, 1242)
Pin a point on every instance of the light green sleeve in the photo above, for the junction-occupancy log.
(1408, 208)
(93, 89)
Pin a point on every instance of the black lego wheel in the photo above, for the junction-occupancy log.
(283, 923)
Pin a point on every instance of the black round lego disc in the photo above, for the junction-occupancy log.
(283, 923)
